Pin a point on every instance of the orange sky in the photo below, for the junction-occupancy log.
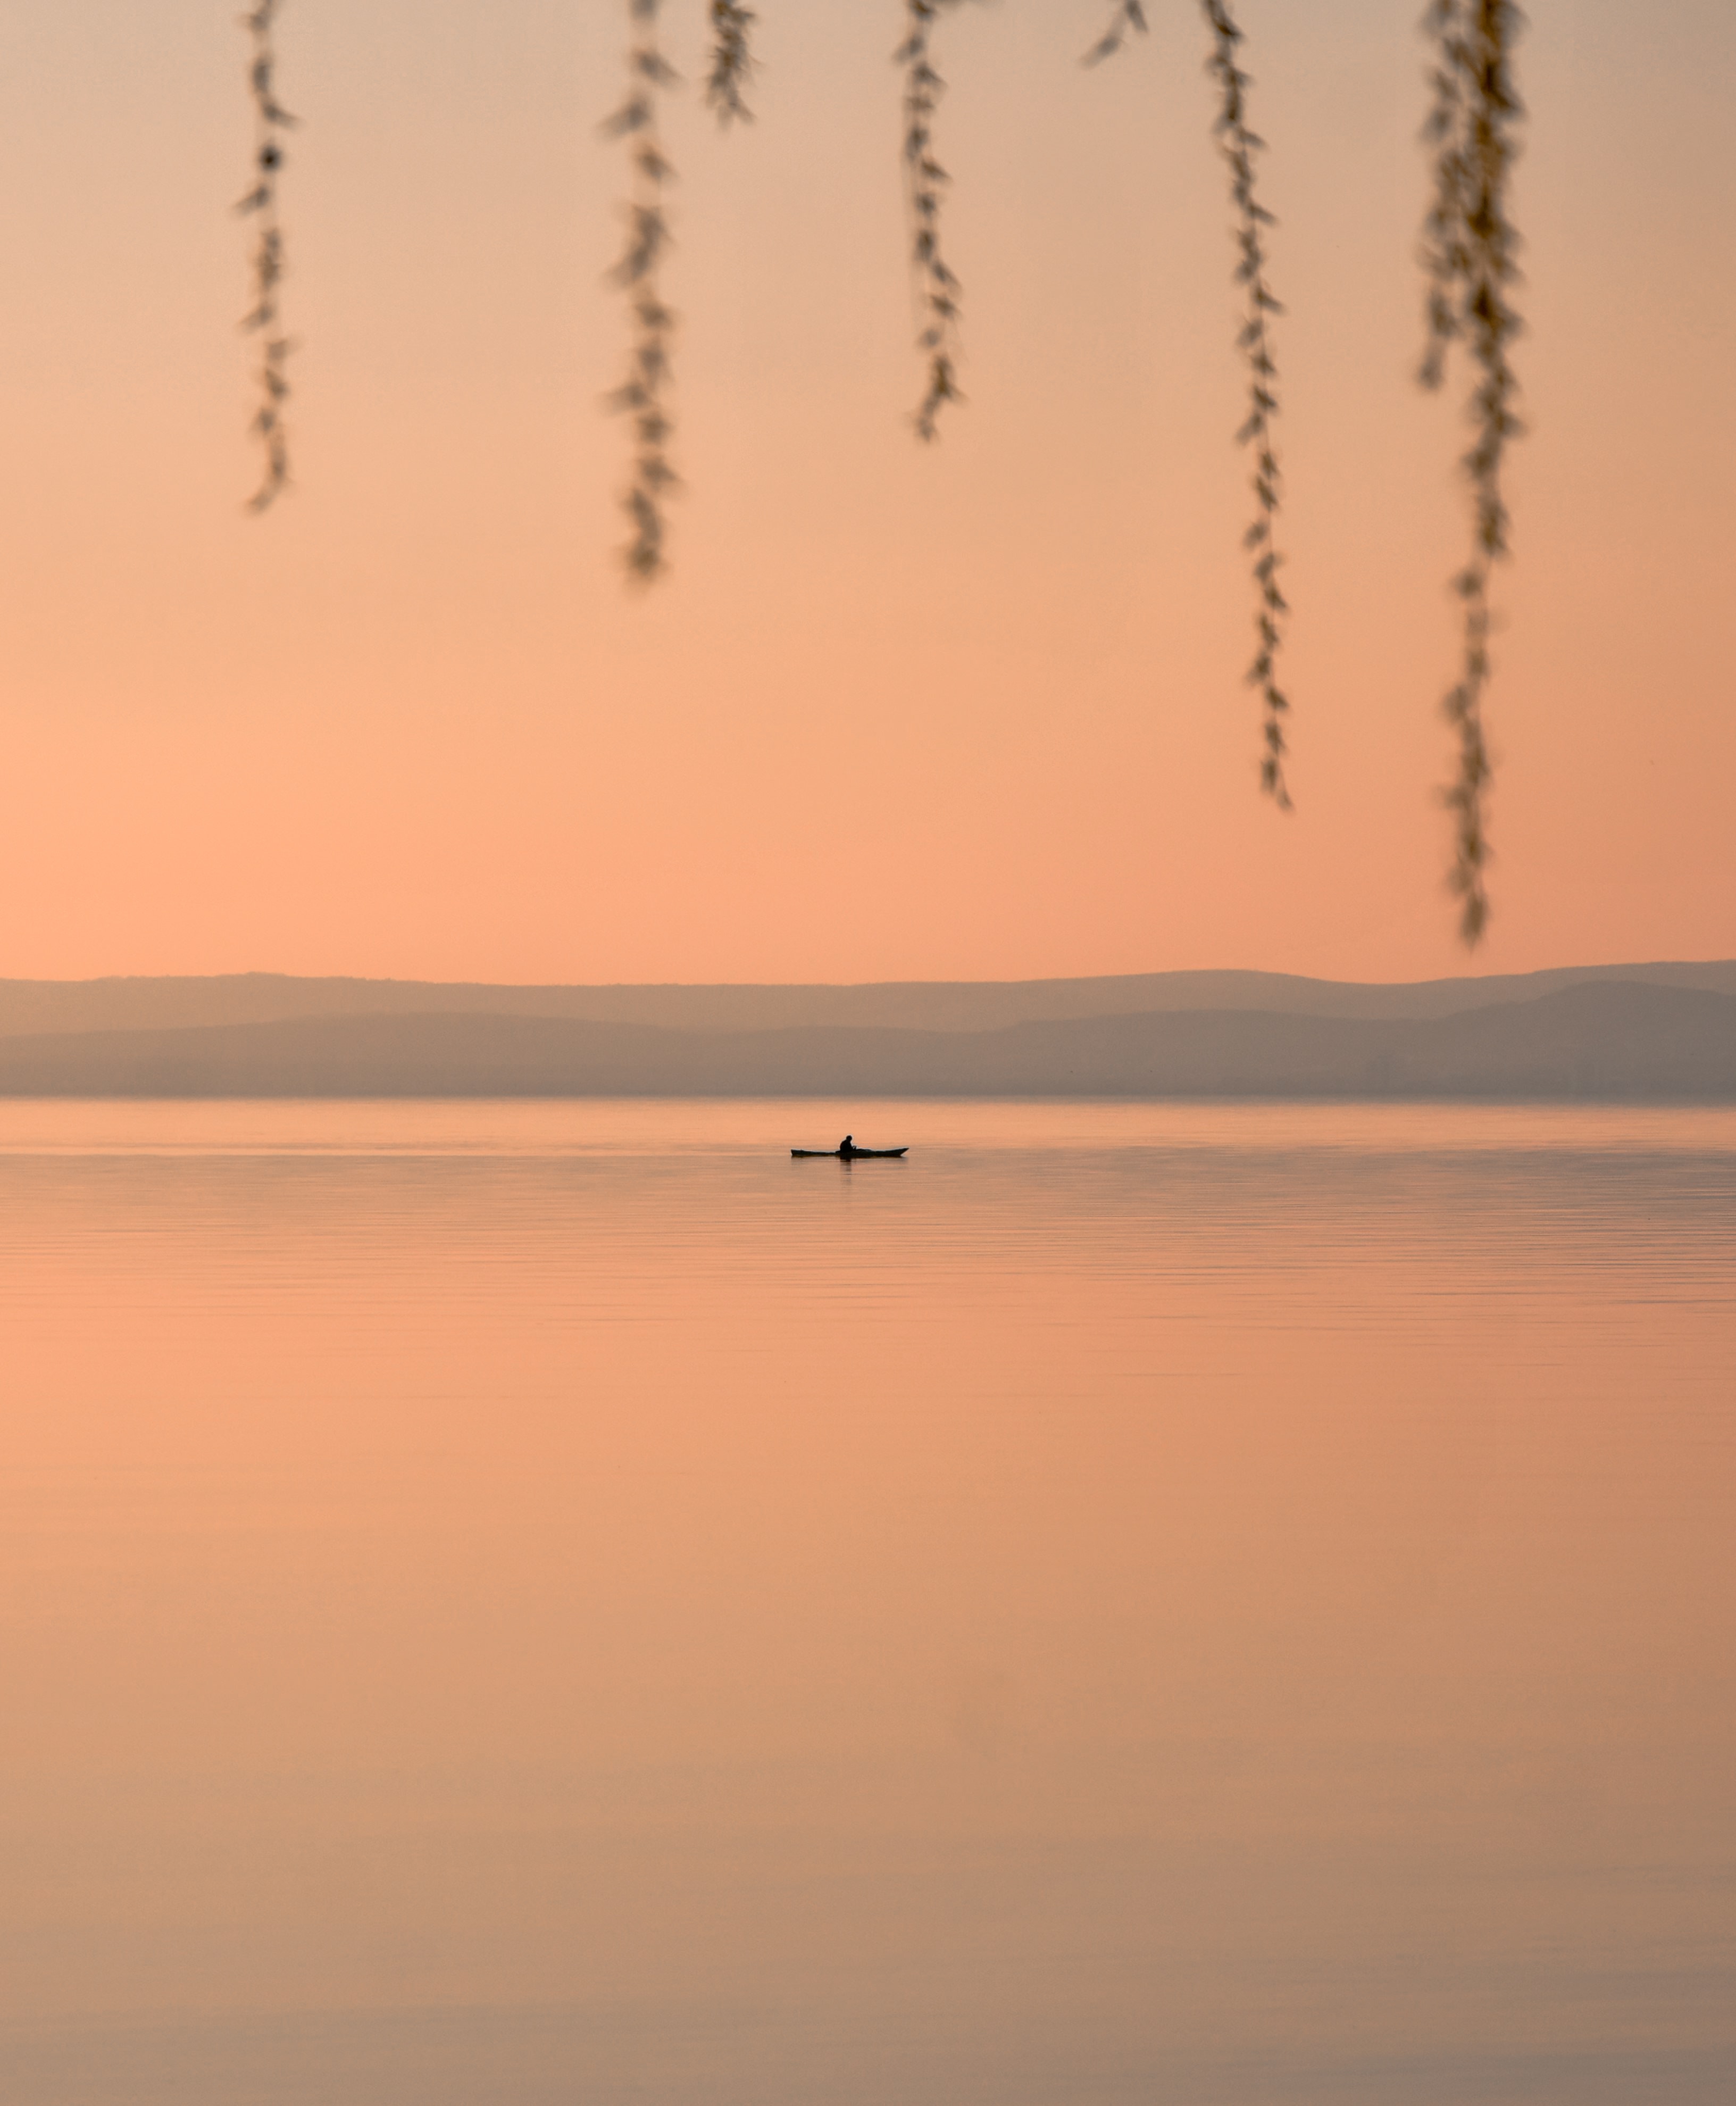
(974, 711)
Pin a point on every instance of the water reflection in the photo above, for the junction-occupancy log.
(533, 1602)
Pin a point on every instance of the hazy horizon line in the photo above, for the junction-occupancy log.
(1030, 979)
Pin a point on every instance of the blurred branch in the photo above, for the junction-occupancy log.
(924, 183)
(1129, 17)
(271, 120)
(1239, 146)
(643, 396)
(1468, 247)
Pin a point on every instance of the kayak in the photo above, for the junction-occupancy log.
(854, 1156)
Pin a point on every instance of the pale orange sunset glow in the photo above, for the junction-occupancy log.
(754, 1350)
(969, 710)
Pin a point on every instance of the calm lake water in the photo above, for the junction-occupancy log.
(503, 1604)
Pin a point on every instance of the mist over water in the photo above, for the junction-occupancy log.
(558, 1602)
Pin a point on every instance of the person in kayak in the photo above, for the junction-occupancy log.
(846, 1146)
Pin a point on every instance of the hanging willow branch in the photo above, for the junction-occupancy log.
(924, 181)
(1239, 146)
(643, 396)
(1467, 250)
(265, 319)
(732, 60)
(1129, 16)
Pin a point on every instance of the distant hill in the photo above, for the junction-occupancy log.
(37, 1007)
(1594, 1039)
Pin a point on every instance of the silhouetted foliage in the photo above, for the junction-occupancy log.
(1129, 16)
(937, 288)
(271, 120)
(1239, 146)
(732, 60)
(1469, 247)
(643, 396)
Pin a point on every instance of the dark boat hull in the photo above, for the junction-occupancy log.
(855, 1155)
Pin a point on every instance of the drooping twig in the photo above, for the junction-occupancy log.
(1129, 16)
(1239, 146)
(1468, 250)
(271, 121)
(732, 60)
(924, 181)
(643, 395)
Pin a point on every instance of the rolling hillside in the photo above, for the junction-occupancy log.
(1595, 1039)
